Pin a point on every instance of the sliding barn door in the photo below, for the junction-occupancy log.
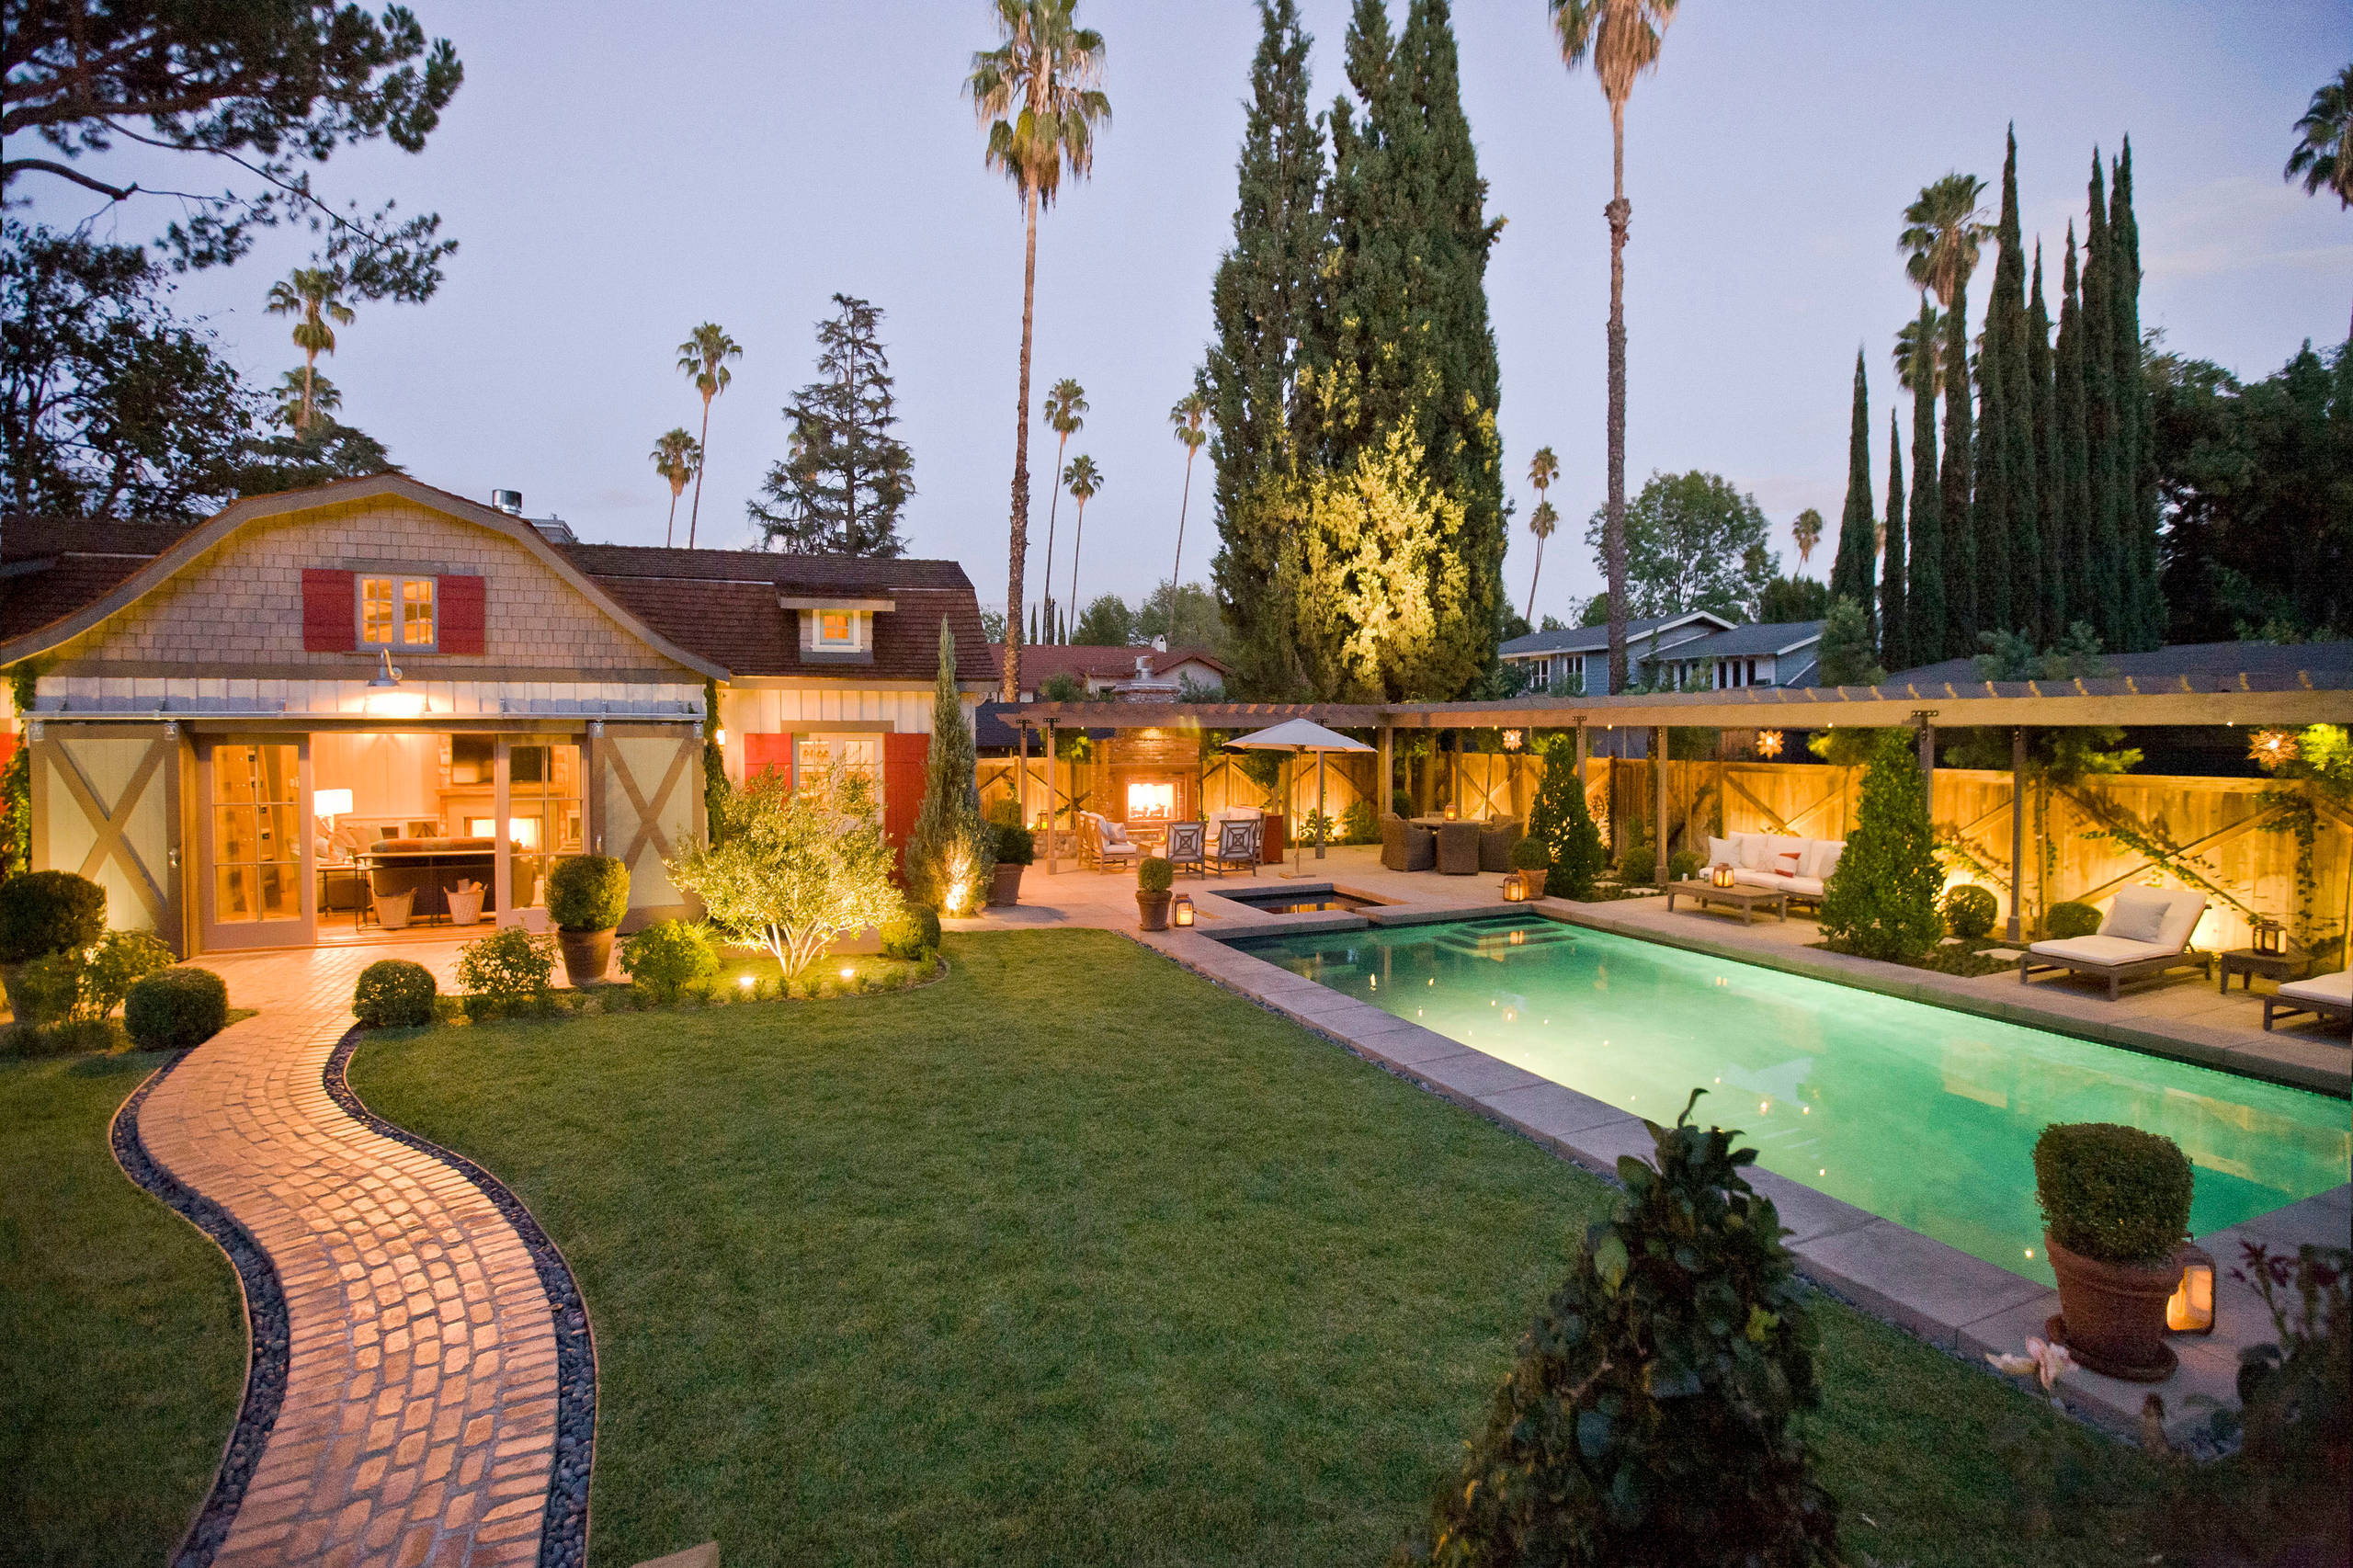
(106, 806)
(649, 805)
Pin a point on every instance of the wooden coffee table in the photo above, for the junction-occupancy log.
(1747, 900)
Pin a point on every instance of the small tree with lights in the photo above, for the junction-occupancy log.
(949, 858)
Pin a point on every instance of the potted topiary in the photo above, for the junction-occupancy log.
(1154, 879)
(1015, 847)
(2115, 1210)
(587, 896)
(1530, 859)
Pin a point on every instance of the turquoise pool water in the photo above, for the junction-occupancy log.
(1918, 1114)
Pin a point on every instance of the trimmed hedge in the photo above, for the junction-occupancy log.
(588, 892)
(49, 911)
(394, 993)
(2070, 919)
(1969, 911)
(913, 933)
(1155, 875)
(174, 1008)
(666, 956)
(2113, 1193)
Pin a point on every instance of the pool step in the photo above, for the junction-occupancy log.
(1497, 942)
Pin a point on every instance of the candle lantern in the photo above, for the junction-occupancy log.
(1449, 813)
(1515, 888)
(2270, 935)
(1180, 909)
(1720, 875)
(2191, 1309)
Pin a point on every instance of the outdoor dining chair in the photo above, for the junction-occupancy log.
(1237, 845)
(1113, 848)
(1188, 845)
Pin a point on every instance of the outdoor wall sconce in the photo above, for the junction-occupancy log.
(1180, 910)
(2191, 1309)
(1720, 875)
(1768, 742)
(1512, 739)
(1515, 888)
(2270, 936)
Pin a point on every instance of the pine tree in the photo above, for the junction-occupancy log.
(1960, 538)
(845, 478)
(1852, 569)
(2110, 616)
(948, 858)
(1924, 617)
(1264, 304)
(2050, 578)
(2136, 467)
(1881, 900)
(1894, 649)
(2074, 558)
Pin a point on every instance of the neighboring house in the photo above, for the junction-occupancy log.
(2171, 662)
(1575, 660)
(225, 713)
(1764, 654)
(1144, 673)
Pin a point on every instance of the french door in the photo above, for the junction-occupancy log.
(255, 877)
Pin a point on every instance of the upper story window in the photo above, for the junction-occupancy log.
(397, 612)
(836, 629)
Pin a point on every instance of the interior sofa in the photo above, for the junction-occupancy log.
(1796, 866)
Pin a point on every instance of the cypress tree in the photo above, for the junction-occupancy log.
(1960, 539)
(1851, 569)
(2073, 557)
(1264, 301)
(1994, 505)
(1894, 649)
(1925, 619)
(2110, 617)
(2051, 575)
(2136, 470)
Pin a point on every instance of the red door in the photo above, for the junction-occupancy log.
(903, 759)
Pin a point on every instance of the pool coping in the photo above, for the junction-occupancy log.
(1949, 1299)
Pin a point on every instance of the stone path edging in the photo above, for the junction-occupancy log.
(264, 1299)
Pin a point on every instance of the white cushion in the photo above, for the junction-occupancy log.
(1810, 886)
(2337, 988)
(2105, 951)
(1824, 858)
(2181, 921)
(1765, 847)
(1746, 877)
(2137, 915)
(1723, 852)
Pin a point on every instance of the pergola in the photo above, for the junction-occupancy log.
(2248, 699)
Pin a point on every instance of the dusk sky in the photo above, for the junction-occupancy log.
(616, 174)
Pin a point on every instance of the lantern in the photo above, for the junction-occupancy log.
(2191, 1309)
(1768, 742)
(1512, 739)
(1180, 909)
(1719, 874)
(1515, 888)
(2270, 936)
(1449, 813)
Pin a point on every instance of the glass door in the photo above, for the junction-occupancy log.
(256, 846)
(543, 821)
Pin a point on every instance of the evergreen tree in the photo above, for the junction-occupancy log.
(1959, 537)
(948, 861)
(2072, 556)
(2107, 611)
(1263, 303)
(1894, 649)
(1851, 570)
(1564, 825)
(845, 477)
(2136, 474)
(1924, 616)
(1881, 900)
(1994, 504)
(2050, 578)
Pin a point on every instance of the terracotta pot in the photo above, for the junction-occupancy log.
(1006, 888)
(2112, 1315)
(586, 956)
(1151, 909)
(1534, 880)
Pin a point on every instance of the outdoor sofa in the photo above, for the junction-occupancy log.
(2145, 933)
(1796, 866)
(2323, 995)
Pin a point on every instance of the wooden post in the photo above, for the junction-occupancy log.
(1385, 786)
(1053, 805)
(1723, 803)
(2017, 827)
(1021, 778)
(1658, 774)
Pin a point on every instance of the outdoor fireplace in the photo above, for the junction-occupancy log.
(1151, 799)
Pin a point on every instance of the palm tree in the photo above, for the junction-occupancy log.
(1037, 93)
(2323, 153)
(1542, 469)
(295, 386)
(1942, 233)
(1066, 415)
(704, 355)
(1621, 38)
(677, 457)
(1919, 347)
(1084, 479)
(315, 294)
(1807, 532)
(1187, 418)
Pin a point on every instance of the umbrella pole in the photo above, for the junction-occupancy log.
(1319, 805)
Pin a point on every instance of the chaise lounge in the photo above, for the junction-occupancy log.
(2324, 996)
(2145, 933)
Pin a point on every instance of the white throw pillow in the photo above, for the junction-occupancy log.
(2137, 915)
(1721, 852)
(1827, 853)
(1750, 849)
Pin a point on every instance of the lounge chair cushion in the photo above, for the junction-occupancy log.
(2337, 988)
(2103, 952)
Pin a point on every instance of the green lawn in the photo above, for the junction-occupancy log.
(122, 1343)
(1075, 1258)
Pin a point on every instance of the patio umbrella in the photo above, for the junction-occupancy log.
(1296, 736)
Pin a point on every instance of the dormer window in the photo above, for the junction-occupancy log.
(836, 628)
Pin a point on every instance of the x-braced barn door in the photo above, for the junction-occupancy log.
(106, 801)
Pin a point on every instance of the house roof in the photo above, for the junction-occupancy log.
(1099, 661)
(1595, 639)
(2195, 660)
(1753, 641)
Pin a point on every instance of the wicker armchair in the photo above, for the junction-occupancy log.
(1458, 848)
(1404, 847)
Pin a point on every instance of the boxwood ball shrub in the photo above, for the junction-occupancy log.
(913, 933)
(1155, 875)
(506, 967)
(1969, 911)
(1530, 855)
(2113, 1193)
(667, 956)
(174, 1008)
(395, 994)
(49, 911)
(2070, 919)
(588, 892)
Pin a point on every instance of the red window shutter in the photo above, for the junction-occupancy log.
(768, 754)
(330, 610)
(460, 609)
(904, 760)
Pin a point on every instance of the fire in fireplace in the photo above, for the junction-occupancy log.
(1151, 803)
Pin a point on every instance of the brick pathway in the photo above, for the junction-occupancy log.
(419, 1420)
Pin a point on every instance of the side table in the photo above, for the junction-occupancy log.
(2247, 963)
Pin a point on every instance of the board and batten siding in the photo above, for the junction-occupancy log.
(767, 710)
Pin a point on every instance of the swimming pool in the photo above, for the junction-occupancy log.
(1918, 1114)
